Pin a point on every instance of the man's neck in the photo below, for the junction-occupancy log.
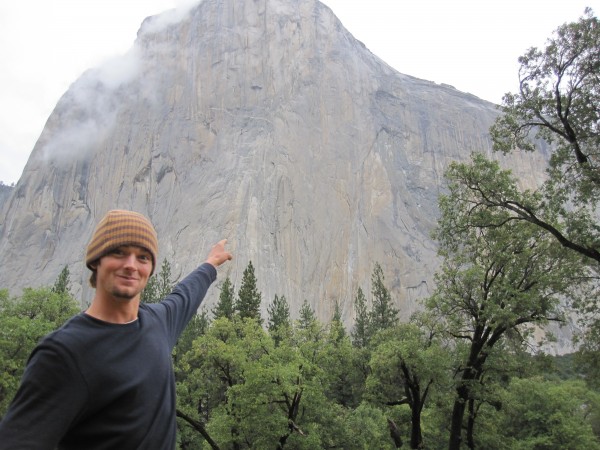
(114, 310)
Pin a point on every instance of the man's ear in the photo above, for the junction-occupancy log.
(94, 265)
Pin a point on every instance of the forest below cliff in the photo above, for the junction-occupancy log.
(248, 382)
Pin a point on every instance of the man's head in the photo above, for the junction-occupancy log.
(120, 228)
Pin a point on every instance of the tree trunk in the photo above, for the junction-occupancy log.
(416, 438)
(471, 425)
(458, 412)
(395, 433)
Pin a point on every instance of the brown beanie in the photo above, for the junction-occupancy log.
(117, 228)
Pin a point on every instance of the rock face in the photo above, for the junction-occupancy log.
(263, 122)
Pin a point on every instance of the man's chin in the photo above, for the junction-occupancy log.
(124, 295)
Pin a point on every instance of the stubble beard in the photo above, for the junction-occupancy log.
(124, 295)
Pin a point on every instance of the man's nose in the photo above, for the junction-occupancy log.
(130, 260)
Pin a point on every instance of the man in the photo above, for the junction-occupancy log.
(105, 379)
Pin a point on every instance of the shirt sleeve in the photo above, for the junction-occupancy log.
(51, 394)
(181, 305)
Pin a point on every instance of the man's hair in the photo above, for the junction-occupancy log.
(93, 278)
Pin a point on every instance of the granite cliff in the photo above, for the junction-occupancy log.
(263, 122)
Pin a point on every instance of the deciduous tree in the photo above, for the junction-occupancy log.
(23, 322)
(407, 362)
(501, 276)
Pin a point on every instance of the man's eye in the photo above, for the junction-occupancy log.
(144, 258)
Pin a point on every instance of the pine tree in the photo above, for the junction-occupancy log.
(383, 314)
(279, 314)
(225, 307)
(249, 298)
(165, 283)
(279, 323)
(307, 316)
(360, 334)
(62, 285)
(159, 285)
(337, 323)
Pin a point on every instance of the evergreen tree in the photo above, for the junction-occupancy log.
(62, 285)
(225, 306)
(307, 316)
(337, 323)
(360, 334)
(165, 281)
(345, 383)
(279, 318)
(249, 298)
(383, 314)
(159, 285)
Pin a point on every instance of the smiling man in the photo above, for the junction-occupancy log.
(105, 379)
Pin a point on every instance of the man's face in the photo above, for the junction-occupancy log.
(124, 272)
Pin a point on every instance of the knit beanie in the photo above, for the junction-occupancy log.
(120, 227)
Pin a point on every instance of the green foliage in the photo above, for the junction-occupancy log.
(544, 414)
(62, 285)
(499, 276)
(212, 365)
(557, 102)
(279, 313)
(342, 368)
(336, 320)
(367, 429)
(279, 322)
(407, 364)
(159, 285)
(360, 334)
(512, 255)
(23, 322)
(307, 316)
(587, 357)
(236, 372)
(383, 314)
(249, 297)
(198, 326)
(552, 368)
(225, 306)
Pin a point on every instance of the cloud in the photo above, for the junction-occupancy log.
(87, 112)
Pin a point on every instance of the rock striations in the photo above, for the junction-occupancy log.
(261, 121)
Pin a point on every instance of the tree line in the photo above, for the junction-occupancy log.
(466, 371)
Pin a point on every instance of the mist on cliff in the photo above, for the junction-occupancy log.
(87, 112)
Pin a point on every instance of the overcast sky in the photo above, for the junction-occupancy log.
(472, 45)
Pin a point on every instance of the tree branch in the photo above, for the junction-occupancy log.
(199, 427)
